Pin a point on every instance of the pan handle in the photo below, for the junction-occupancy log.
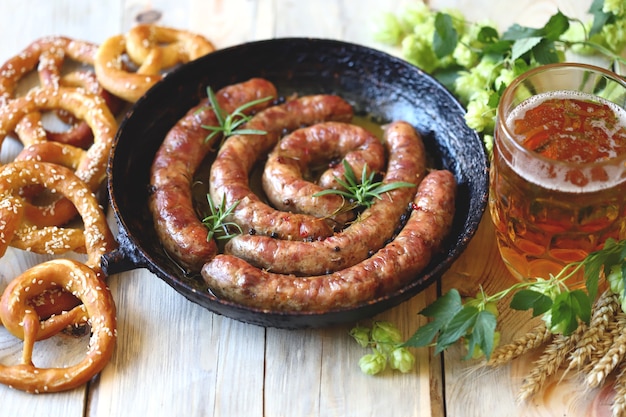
(122, 259)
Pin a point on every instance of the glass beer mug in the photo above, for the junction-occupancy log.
(558, 176)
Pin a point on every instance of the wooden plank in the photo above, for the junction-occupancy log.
(293, 366)
(324, 364)
(174, 356)
(227, 23)
(384, 394)
(25, 20)
(470, 388)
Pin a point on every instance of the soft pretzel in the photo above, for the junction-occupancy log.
(11, 216)
(54, 152)
(95, 238)
(21, 319)
(172, 46)
(91, 168)
(31, 130)
(153, 49)
(47, 55)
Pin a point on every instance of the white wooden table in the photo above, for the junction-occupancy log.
(174, 358)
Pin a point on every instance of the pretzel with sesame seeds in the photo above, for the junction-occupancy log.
(22, 320)
(47, 55)
(54, 152)
(90, 168)
(11, 216)
(31, 130)
(152, 49)
(94, 238)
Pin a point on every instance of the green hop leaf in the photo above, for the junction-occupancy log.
(600, 17)
(568, 308)
(483, 334)
(441, 311)
(526, 299)
(445, 37)
(524, 45)
(458, 327)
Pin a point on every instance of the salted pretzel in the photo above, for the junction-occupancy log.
(55, 152)
(11, 216)
(95, 238)
(90, 168)
(30, 129)
(22, 320)
(152, 49)
(171, 46)
(47, 55)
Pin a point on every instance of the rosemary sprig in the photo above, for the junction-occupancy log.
(363, 193)
(229, 124)
(216, 221)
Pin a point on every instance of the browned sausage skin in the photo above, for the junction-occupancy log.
(374, 227)
(388, 269)
(178, 226)
(230, 171)
(304, 149)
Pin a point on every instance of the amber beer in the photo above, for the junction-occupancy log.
(558, 176)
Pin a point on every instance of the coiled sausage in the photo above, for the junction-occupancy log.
(388, 269)
(304, 149)
(374, 227)
(230, 171)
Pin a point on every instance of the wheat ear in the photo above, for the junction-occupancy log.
(604, 311)
(618, 408)
(603, 345)
(611, 359)
(534, 338)
(552, 358)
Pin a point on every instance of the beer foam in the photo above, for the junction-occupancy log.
(536, 170)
